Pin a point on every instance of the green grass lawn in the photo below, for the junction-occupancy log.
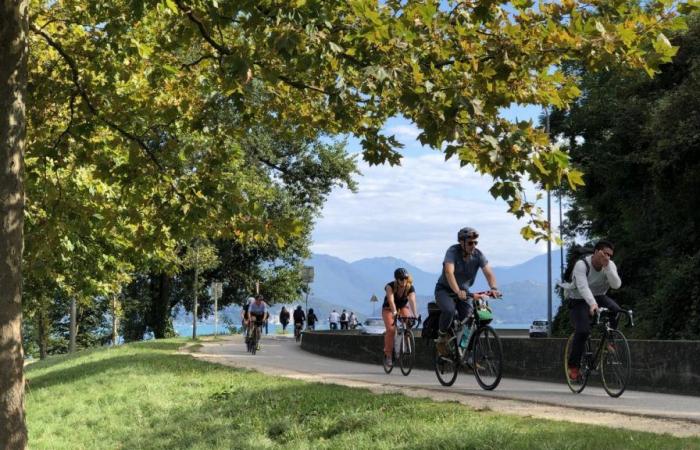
(146, 396)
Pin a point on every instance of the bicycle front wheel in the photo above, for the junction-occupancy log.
(255, 340)
(407, 354)
(447, 365)
(487, 358)
(579, 384)
(616, 363)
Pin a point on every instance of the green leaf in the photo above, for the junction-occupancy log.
(172, 6)
(335, 48)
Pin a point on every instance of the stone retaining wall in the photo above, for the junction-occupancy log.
(660, 366)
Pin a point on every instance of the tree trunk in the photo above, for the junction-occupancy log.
(194, 306)
(160, 305)
(43, 326)
(73, 325)
(13, 84)
(115, 321)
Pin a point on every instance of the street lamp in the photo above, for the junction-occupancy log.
(307, 276)
(549, 242)
(216, 294)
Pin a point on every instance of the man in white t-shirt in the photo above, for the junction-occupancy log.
(334, 319)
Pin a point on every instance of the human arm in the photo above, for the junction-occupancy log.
(491, 280)
(412, 303)
(390, 298)
(449, 269)
(610, 271)
(580, 278)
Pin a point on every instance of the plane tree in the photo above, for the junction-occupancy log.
(129, 80)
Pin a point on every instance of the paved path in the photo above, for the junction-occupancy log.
(663, 413)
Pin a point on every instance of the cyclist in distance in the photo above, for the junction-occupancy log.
(244, 315)
(257, 312)
(299, 317)
(459, 268)
(591, 278)
(311, 320)
(400, 298)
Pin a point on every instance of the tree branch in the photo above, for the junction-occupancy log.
(202, 29)
(75, 75)
(197, 61)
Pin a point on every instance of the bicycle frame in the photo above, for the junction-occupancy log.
(471, 323)
(604, 325)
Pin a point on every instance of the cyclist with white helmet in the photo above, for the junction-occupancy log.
(459, 268)
(400, 299)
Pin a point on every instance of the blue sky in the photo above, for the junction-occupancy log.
(413, 211)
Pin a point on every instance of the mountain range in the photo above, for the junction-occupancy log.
(339, 285)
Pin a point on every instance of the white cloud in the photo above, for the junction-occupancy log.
(404, 132)
(413, 212)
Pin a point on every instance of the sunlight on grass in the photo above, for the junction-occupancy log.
(146, 396)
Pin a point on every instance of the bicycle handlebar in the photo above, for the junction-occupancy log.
(410, 321)
(629, 313)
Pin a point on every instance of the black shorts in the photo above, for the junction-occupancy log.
(259, 319)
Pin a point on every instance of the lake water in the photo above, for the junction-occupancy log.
(207, 329)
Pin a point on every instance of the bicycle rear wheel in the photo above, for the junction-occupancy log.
(447, 366)
(616, 363)
(578, 385)
(407, 353)
(487, 358)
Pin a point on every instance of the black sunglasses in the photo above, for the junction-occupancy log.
(470, 243)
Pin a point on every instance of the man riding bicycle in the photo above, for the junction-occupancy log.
(299, 318)
(257, 313)
(459, 268)
(591, 278)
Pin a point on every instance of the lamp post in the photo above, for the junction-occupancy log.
(307, 276)
(549, 242)
(216, 294)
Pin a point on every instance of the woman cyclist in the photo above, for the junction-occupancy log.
(400, 294)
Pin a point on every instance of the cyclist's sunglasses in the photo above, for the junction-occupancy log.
(403, 278)
(470, 243)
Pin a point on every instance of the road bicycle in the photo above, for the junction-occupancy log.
(297, 331)
(404, 350)
(472, 344)
(612, 356)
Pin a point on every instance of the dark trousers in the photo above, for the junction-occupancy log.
(581, 320)
(449, 303)
(334, 325)
(344, 325)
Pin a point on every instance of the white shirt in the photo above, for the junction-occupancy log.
(334, 317)
(596, 283)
